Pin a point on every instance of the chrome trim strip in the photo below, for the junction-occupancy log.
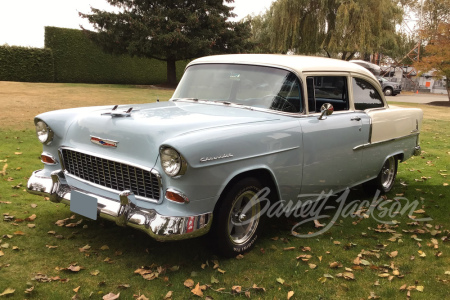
(151, 170)
(51, 156)
(97, 141)
(359, 147)
(124, 212)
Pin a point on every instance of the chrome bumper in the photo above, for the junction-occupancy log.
(124, 212)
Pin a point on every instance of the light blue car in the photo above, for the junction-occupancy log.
(236, 126)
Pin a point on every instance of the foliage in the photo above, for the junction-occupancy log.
(26, 64)
(331, 27)
(437, 54)
(77, 59)
(434, 13)
(168, 30)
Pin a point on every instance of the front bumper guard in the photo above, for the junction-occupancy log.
(124, 212)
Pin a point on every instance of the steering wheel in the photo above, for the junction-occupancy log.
(281, 104)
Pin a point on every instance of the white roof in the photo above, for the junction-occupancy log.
(297, 63)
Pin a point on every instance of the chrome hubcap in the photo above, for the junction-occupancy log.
(243, 219)
(388, 172)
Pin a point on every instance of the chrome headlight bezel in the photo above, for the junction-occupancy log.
(43, 132)
(172, 162)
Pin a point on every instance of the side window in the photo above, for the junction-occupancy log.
(288, 95)
(327, 89)
(365, 95)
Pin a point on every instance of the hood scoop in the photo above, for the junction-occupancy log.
(116, 113)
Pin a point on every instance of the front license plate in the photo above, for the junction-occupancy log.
(83, 204)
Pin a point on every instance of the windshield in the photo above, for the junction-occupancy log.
(254, 86)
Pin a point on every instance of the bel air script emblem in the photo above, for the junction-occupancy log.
(205, 159)
(103, 142)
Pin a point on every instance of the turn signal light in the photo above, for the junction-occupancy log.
(47, 159)
(176, 196)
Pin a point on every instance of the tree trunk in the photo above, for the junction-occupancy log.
(448, 92)
(171, 72)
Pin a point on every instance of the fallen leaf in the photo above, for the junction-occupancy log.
(111, 296)
(123, 286)
(236, 289)
(189, 283)
(168, 295)
(214, 280)
(29, 290)
(280, 280)
(221, 271)
(419, 288)
(84, 248)
(334, 265)
(104, 247)
(349, 275)
(74, 268)
(95, 272)
(197, 290)
(393, 254)
(31, 225)
(31, 218)
(76, 289)
(240, 256)
(290, 294)
(312, 266)
(317, 224)
(51, 247)
(19, 233)
(289, 248)
(8, 291)
(336, 242)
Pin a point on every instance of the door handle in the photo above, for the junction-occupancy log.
(355, 119)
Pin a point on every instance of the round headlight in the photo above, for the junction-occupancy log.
(172, 162)
(43, 132)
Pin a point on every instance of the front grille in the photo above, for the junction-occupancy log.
(111, 174)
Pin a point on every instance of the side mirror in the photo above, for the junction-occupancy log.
(326, 110)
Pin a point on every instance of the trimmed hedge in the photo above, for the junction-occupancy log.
(78, 59)
(26, 64)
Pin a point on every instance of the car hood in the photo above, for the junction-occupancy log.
(148, 126)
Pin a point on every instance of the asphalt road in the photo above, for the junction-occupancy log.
(417, 98)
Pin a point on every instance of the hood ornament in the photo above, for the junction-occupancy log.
(103, 142)
(115, 113)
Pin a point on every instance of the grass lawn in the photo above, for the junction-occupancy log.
(357, 258)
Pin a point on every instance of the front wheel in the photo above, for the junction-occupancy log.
(237, 220)
(385, 179)
(388, 92)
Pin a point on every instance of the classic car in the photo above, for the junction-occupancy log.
(236, 124)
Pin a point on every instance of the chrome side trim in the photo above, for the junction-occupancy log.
(359, 147)
(124, 212)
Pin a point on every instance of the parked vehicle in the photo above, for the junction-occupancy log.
(389, 88)
(235, 125)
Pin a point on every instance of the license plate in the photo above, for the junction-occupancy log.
(83, 204)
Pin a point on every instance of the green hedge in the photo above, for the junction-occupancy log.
(78, 59)
(26, 64)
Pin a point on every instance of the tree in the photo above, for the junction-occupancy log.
(336, 28)
(437, 55)
(168, 30)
